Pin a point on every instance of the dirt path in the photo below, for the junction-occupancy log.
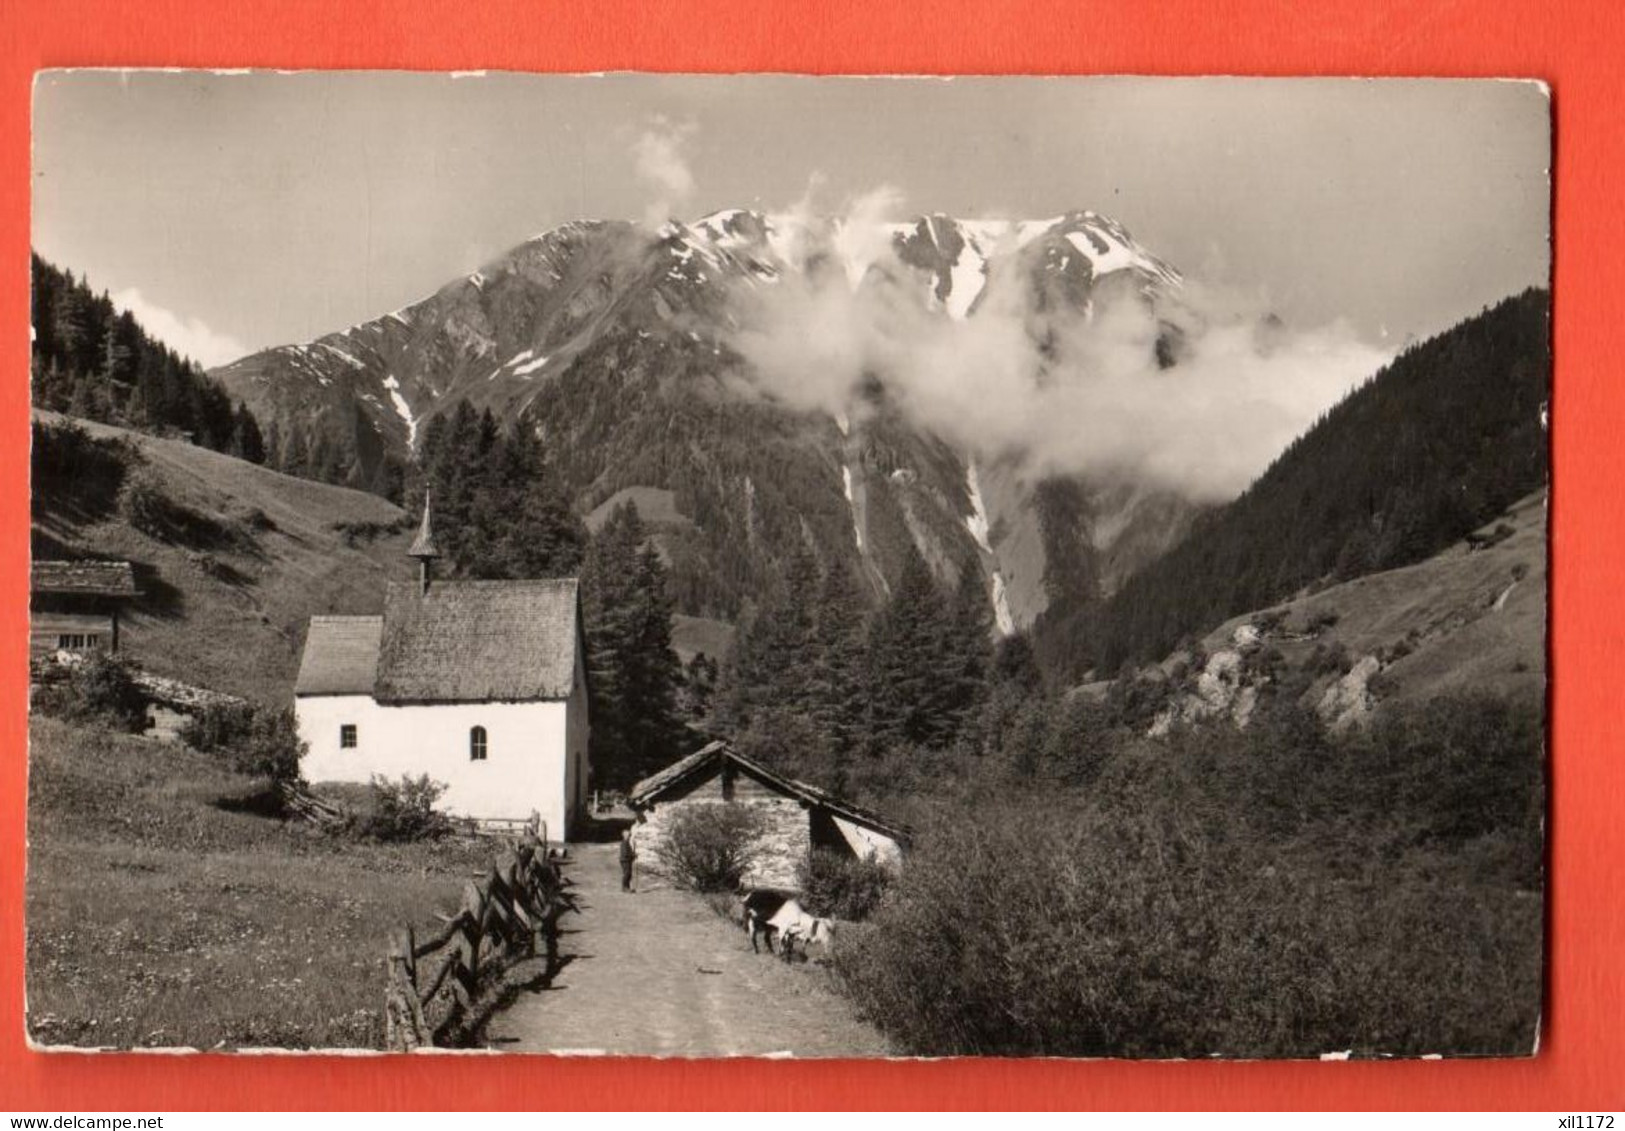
(658, 973)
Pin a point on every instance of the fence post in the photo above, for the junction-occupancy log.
(404, 1029)
(468, 946)
(522, 894)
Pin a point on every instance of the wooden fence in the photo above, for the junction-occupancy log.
(301, 802)
(504, 913)
(298, 799)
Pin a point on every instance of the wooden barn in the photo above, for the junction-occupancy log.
(74, 606)
(798, 817)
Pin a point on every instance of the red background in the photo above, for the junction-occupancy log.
(1576, 46)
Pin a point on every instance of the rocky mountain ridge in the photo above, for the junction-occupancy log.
(620, 345)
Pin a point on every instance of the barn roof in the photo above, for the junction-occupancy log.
(341, 656)
(94, 579)
(710, 759)
(477, 641)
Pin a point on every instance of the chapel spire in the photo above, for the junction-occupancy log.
(423, 547)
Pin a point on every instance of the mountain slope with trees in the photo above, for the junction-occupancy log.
(231, 558)
(619, 343)
(93, 361)
(1445, 438)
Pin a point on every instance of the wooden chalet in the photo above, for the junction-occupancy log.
(74, 606)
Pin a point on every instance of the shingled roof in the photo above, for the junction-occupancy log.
(341, 656)
(478, 641)
(710, 759)
(93, 579)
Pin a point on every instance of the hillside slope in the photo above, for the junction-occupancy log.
(249, 557)
(1471, 619)
(1439, 442)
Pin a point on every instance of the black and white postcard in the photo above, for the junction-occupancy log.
(764, 565)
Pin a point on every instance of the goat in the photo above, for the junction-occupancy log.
(760, 908)
(792, 922)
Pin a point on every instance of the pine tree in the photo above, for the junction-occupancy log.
(246, 441)
(651, 727)
(969, 656)
(273, 445)
(120, 350)
(910, 687)
(838, 690)
(295, 451)
(633, 671)
(784, 645)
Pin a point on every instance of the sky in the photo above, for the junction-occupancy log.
(232, 212)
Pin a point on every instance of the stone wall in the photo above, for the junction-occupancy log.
(783, 845)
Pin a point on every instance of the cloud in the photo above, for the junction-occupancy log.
(1063, 389)
(189, 337)
(658, 158)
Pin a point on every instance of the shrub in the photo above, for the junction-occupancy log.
(710, 846)
(101, 690)
(1333, 659)
(71, 466)
(218, 726)
(362, 532)
(1268, 892)
(404, 810)
(255, 518)
(262, 741)
(1321, 621)
(1268, 623)
(840, 885)
(1462, 767)
(1033, 928)
(143, 504)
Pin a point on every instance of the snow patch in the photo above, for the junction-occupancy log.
(966, 279)
(1029, 230)
(976, 523)
(402, 409)
(1116, 257)
(347, 357)
(852, 505)
(530, 367)
(1501, 601)
(843, 424)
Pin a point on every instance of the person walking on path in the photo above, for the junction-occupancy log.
(628, 856)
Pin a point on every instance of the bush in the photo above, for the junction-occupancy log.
(1321, 621)
(404, 810)
(255, 518)
(101, 691)
(71, 466)
(1267, 892)
(262, 741)
(1333, 659)
(218, 726)
(710, 846)
(841, 886)
(143, 504)
(1061, 930)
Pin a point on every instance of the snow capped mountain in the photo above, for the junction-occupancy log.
(620, 342)
(954, 254)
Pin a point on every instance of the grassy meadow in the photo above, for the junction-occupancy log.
(250, 554)
(164, 911)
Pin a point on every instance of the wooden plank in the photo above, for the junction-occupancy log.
(437, 981)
